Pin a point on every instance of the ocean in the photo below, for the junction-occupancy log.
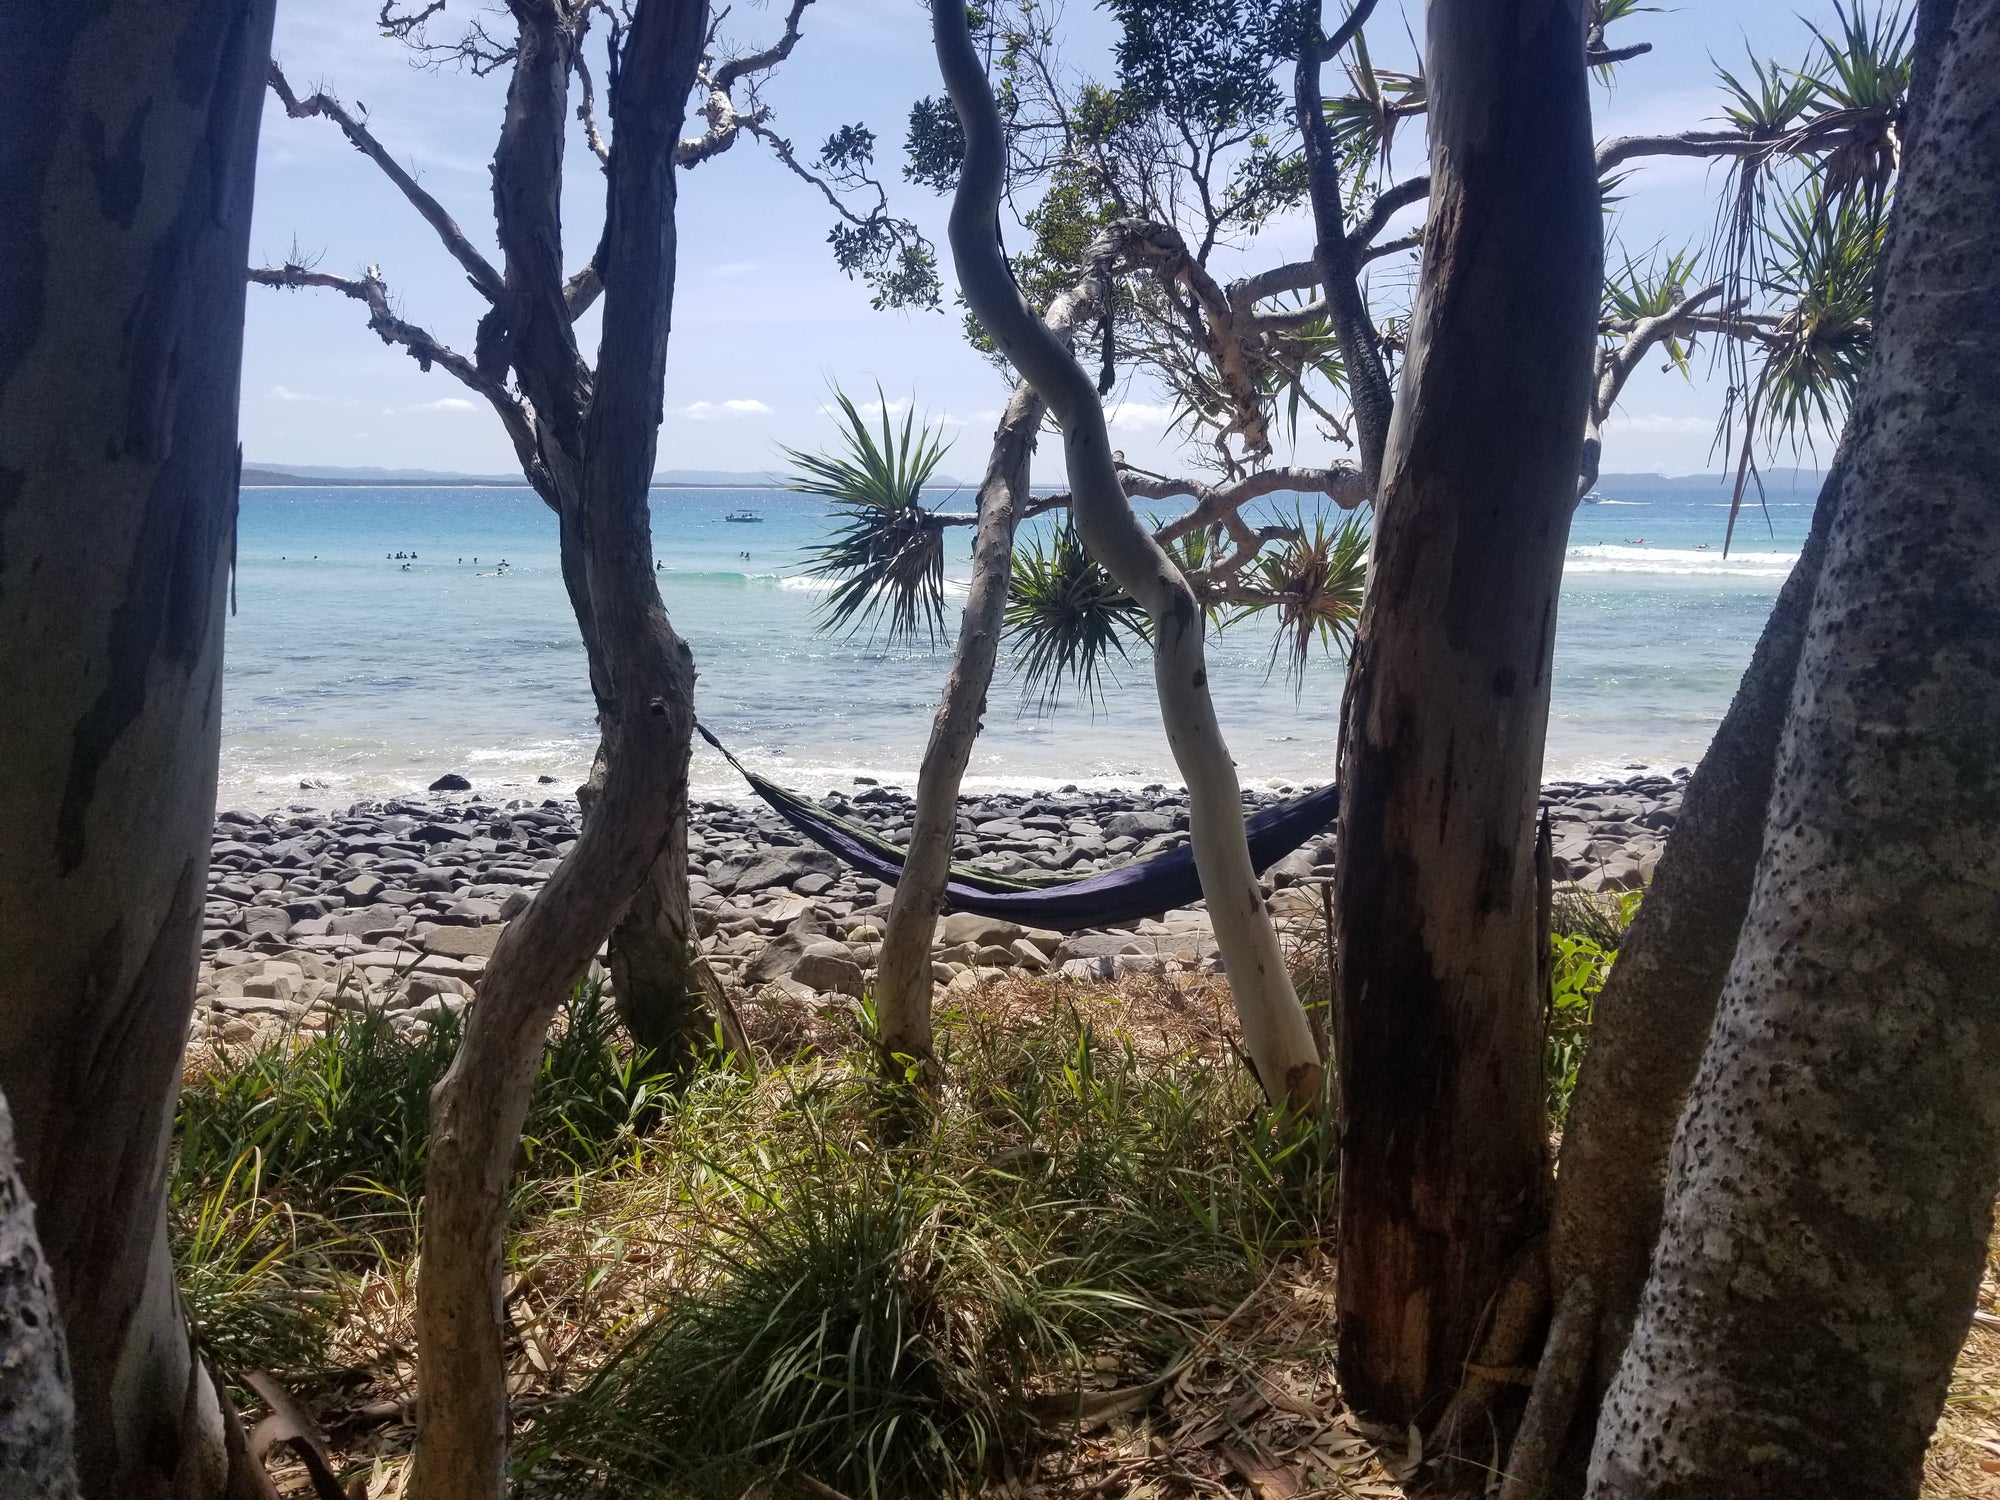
(354, 673)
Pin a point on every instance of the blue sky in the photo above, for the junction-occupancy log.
(763, 320)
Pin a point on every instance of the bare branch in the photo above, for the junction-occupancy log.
(1388, 203)
(1345, 32)
(582, 289)
(1600, 56)
(1219, 504)
(726, 119)
(461, 249)
(372, 292)
(586, 111)
(726, 76)
(1624, 148)
(1642, 334)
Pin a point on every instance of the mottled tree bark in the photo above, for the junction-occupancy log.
(128, 136)
(37, 1416)
(1831, 1184)
(597, 437)
(1437, 1017)
(1653, 1016)
(1276, 1035)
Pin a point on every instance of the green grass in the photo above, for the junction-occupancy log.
(873, 1313)
(341, 1120)
(299, 1164)
(1585, 932)
(736, 1281)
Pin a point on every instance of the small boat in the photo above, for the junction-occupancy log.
(743, 515)
(1593, 498)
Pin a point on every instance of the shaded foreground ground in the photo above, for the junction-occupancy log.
(1096, 1271)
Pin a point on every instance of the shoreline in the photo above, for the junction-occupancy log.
(396, 904)
(327, 795)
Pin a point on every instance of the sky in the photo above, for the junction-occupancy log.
(764, 323)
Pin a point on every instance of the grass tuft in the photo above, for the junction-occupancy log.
(880, 1316)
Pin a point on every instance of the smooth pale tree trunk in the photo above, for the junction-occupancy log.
(37, 1416)
(1831, 1184)
(903, 973)
(128, 136)
(1437, 1014)
(1276, 1035)
(601, 452)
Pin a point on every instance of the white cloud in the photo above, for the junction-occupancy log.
(875, 408)
(716, 411)
(444, 403)
(286, 393)
(1139, 416)
(1659, 424)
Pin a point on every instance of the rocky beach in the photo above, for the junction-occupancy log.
(398, 904)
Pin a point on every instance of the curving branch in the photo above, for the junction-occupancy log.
(1276, 1034)
(372, 292)
(483, 275)
(1621, 149)
(1388, 203)
(1614, 366)
(586, 110)
(1219, 505)
(1335, 257)
(726, 119)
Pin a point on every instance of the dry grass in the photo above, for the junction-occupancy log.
(1964, 1461)
(1241, 1401)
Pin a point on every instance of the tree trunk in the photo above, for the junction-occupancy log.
(37, 1416)
(601, 455)
(1832, 1181)
(1334, 259)
(128, 137)
(1276, 1035)
(1653, 1016)
(903, 974)
(654, 955)
(1438, 1022)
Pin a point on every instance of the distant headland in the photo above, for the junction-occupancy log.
(283, 474)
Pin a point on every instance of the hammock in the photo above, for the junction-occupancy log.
(1057, 903)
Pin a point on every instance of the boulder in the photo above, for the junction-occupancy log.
(827, 966)
(780, 869)
(451, 781)
(964, 928)
(462, 942)
(1138, 825)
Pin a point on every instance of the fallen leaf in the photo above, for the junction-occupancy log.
(1271, 1481)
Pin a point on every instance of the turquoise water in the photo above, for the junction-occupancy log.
(369, 675)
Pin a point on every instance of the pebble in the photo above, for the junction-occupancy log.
(399, 903)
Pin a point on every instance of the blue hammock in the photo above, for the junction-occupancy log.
(1056, 903)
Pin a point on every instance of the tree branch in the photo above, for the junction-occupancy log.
(1624, 148)
(484, 276)
(1388, 203)
(1346, 31)
(373, 293)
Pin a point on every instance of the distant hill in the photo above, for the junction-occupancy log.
(1776, 482)
(330, 474)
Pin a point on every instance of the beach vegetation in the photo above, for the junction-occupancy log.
(886, 554)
